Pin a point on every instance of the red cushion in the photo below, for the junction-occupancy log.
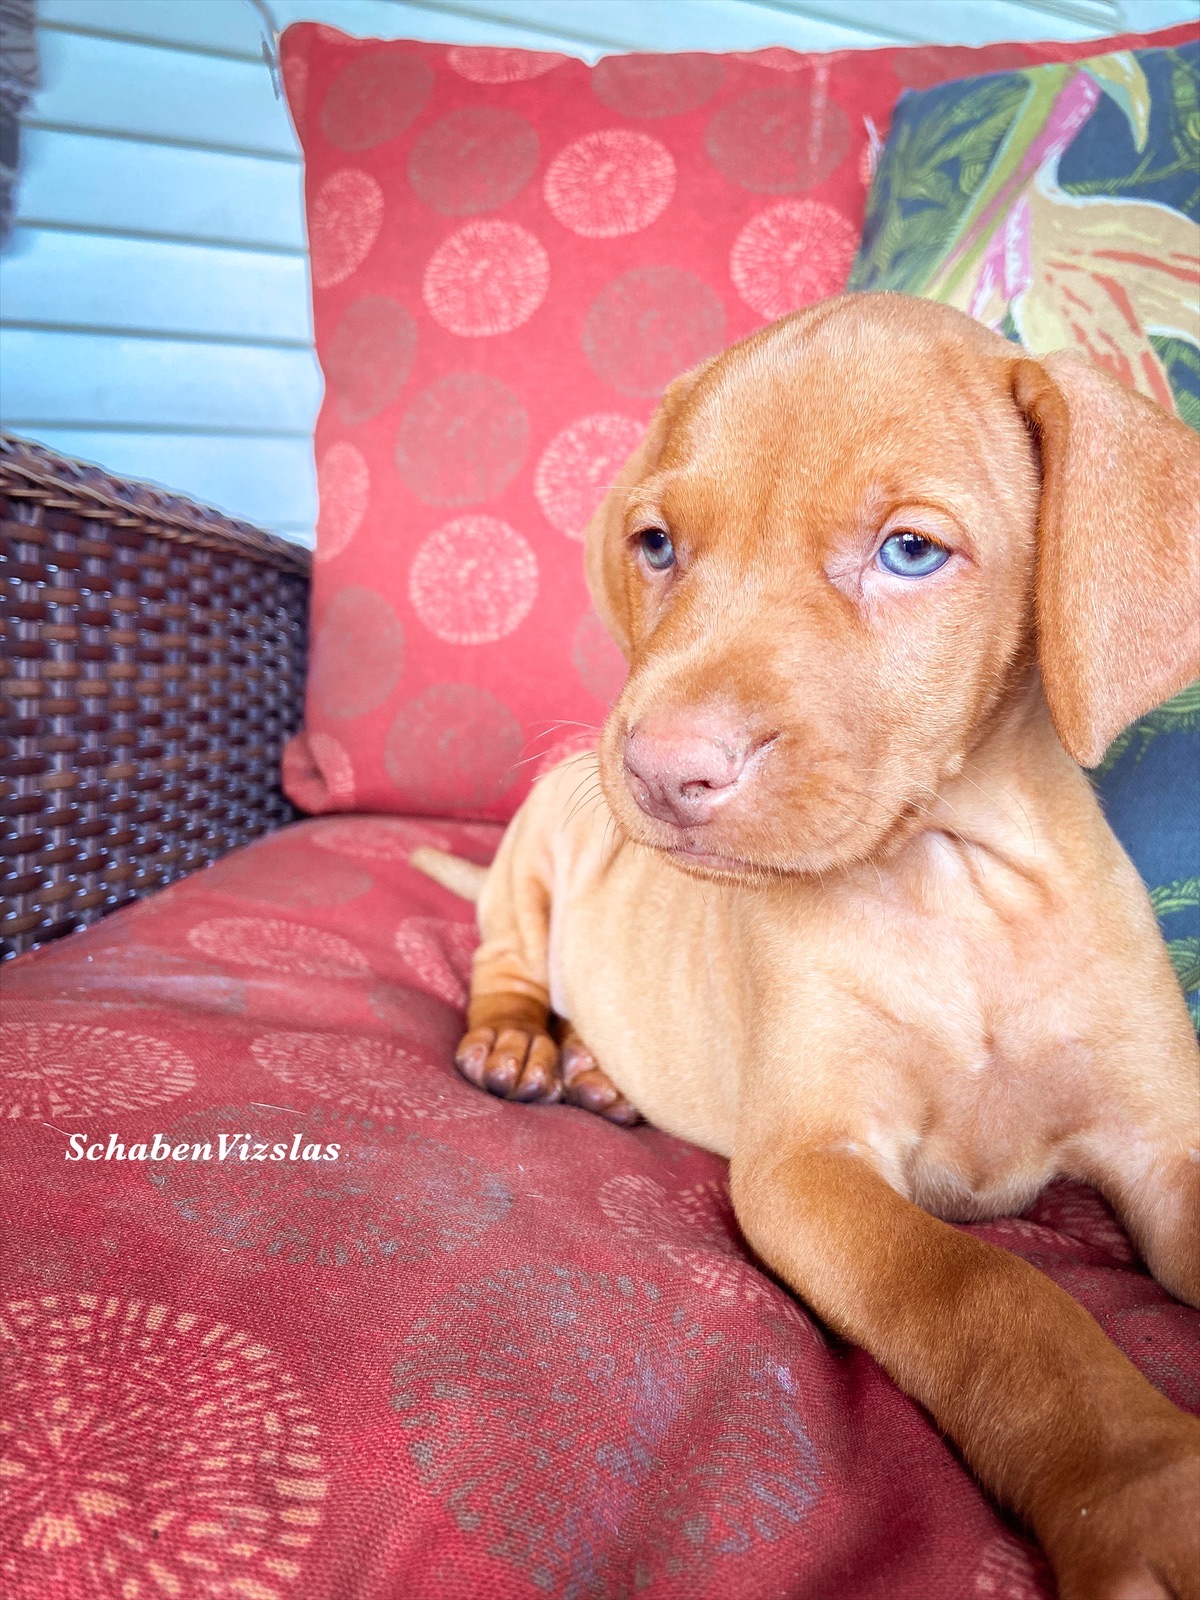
(512, 254)
(492, 1350)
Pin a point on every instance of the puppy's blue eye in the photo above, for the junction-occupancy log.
(911, 555)
(657, 548)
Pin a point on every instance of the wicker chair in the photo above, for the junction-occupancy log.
(152, 660)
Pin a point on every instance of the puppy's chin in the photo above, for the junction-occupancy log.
(727, 869)
(744, 863)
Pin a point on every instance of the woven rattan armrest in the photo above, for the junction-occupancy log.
(152, 657)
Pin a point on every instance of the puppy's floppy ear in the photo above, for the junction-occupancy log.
(1118, 566)
(604, 537)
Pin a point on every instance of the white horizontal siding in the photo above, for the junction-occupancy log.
(221, 27)
(154, 309)
(159, 92)
(107, 184)
(108, 283)
(59, 376)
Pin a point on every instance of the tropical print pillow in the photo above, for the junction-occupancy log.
(1061, 206)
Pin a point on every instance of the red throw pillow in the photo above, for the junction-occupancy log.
(512, 254)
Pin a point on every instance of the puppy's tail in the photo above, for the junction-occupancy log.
(463, 878)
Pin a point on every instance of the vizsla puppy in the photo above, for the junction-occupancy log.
(883, 580)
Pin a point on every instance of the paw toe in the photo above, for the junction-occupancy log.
(588, 1086)
(540, 1081)
(472, 1055)
(505, 1063)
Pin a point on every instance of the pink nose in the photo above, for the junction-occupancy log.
(680, 769)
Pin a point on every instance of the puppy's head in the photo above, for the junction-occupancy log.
(841, 548)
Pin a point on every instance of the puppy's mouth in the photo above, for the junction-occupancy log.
(687, 853)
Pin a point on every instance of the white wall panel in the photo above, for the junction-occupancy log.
(224, 27)
(130, 186)
(156, 93)
(57, 377)
(106, 282)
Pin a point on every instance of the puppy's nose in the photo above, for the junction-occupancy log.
(680, 769)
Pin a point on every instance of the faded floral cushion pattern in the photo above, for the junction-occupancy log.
(493, 1352)
(512, 254)
(1061, 205)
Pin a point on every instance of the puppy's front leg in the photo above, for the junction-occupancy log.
(1049, 1413)
(509, 1048)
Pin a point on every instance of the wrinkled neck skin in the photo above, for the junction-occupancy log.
(1008, 804)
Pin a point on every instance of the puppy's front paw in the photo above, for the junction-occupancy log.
(520, 1061)
(514, 1062)
(586, 1084)
(1141, 1542)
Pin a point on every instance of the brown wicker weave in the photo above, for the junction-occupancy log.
(152, 658)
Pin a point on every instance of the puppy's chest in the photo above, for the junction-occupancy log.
(991, 1032)
(980, 1118)
(959, 1025)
